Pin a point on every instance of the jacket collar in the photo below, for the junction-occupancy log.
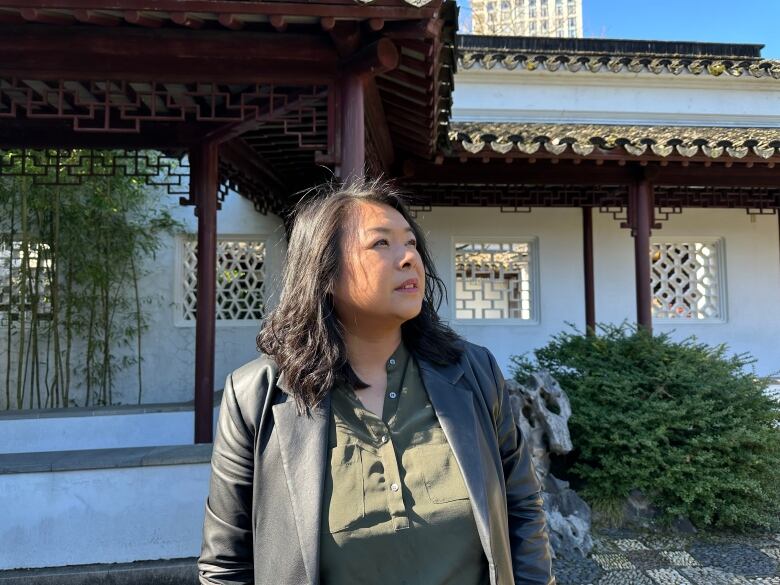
(303, 442)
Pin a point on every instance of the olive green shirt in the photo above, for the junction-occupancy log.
(395, 506)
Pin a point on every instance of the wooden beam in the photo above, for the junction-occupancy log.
(334, 8)
(590, 171)
(134, 54)
(422, 29)
(279, 22)
(96, 18)
(377, 58)
(11, 18)
(186, 19)
(328, 23)
(536, 174)
(231, 21)
(39, 16)
(247, 160)
(141, 19)
(346, 37)
(46, 133)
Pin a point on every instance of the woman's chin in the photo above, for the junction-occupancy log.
(409, 312)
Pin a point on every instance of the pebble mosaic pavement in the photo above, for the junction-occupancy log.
(621, 557)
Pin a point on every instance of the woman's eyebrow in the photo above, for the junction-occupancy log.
(385, 230)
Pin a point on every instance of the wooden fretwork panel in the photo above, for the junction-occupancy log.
(493, 280)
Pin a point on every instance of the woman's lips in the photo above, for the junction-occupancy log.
(408, 286)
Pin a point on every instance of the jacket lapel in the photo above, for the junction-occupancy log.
(453, 402)
(303, 443)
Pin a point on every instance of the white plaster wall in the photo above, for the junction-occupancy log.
(169, 354)
(102, 516)
(558, 234)
(752, 267)
(614, 98)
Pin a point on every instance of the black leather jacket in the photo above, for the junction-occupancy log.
(262, 521)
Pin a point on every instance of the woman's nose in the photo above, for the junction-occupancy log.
(408, 258)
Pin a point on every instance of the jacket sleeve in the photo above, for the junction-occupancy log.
(531, 558)
(226, 552)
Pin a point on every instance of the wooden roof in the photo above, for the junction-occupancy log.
(263, 76)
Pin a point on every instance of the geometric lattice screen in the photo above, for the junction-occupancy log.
(37, 284)
(493, 280)
(686, 280)
(240, 279)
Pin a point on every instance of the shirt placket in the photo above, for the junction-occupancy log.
(383, 443)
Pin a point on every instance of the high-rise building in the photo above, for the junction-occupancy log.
(544, 18)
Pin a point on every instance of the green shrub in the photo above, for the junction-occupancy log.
(681, 421)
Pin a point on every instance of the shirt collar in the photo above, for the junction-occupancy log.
(399, 358)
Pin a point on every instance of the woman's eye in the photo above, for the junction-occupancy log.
(382, 241)
(412, 242)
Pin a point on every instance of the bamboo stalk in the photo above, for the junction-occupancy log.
(134, 275)
(90, 345)
(105, 286)
(32, 348)
(55, 296)
(22, 297)
(68, 333)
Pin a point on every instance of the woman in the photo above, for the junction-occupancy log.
(369, 444)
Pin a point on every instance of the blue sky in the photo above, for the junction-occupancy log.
(728, 21)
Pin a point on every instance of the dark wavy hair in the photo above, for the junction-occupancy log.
(303, 333)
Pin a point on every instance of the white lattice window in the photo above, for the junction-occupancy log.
(687, 280)
(494, 280)
(37, 285)
(240, 280)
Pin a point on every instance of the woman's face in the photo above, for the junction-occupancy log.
(382, 280)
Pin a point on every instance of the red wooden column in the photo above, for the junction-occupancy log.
(204, 160)
(353, 127)
(587, 253)
(372, 60)
(640, 208)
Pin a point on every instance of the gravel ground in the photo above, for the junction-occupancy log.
(623, 557)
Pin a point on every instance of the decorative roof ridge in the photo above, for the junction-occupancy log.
(612, 47)
(614, 55)
(742, 67)
(586, 139)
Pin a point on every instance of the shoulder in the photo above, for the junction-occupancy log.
(248, 388)
(479, 364)
(479, 357)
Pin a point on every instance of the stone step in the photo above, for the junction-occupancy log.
(163, 572)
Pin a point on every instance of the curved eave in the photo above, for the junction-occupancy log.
(505, 139)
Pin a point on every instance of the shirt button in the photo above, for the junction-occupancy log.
(393, 394)
(394, 487)
(383, 439)
(391, 363)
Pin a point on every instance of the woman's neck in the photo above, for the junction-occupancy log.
(368, 351)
